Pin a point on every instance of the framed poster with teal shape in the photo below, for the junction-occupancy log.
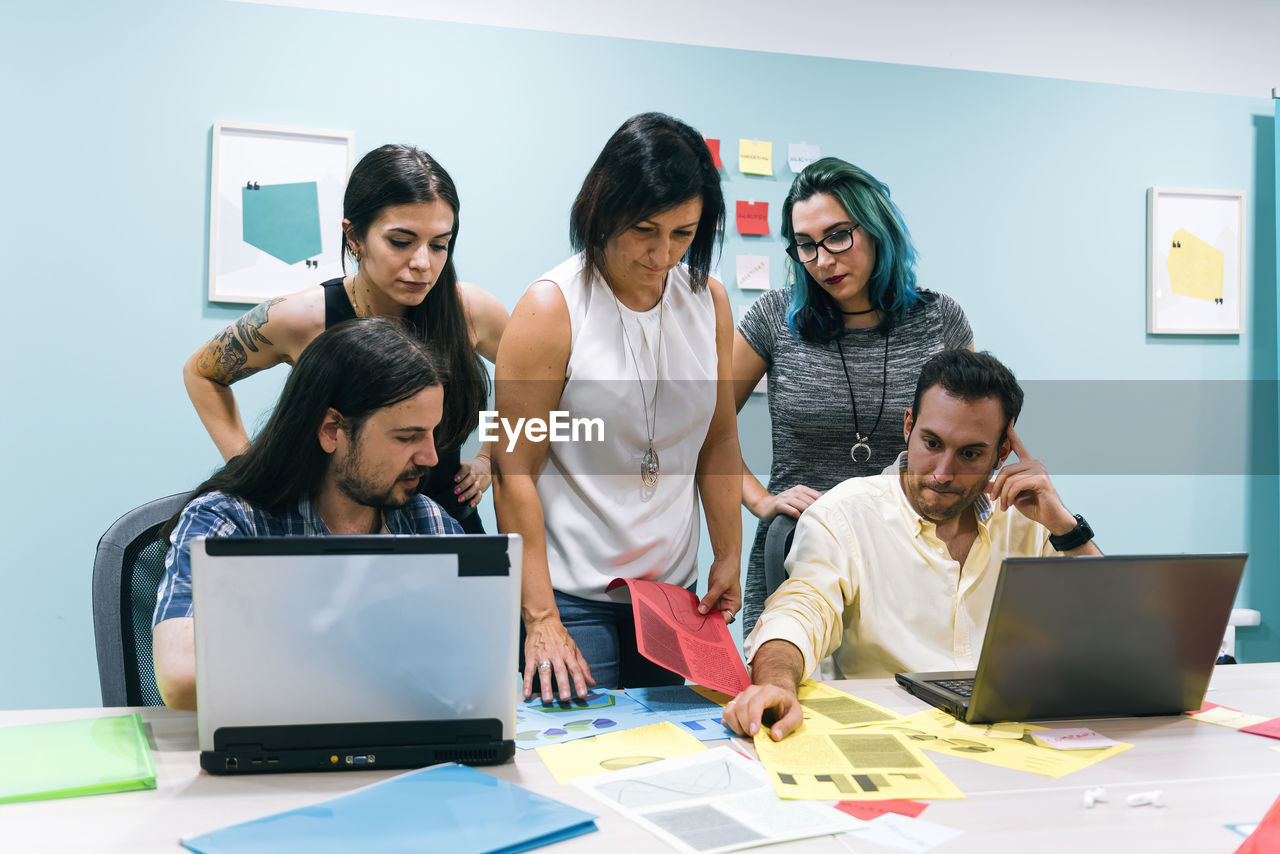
(275, 218)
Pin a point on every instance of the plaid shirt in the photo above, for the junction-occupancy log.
(216, 514)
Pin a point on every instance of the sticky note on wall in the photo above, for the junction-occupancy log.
(755, 157)
(713, 145)
(801, 154)
(753, 272)
(753, 217)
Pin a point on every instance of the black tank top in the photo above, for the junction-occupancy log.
(438, 486)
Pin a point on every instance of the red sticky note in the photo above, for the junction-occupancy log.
(1207, 706)
(1266, 838)
(867, 810)
(714, 146)
(753, 218)
(1271, 728)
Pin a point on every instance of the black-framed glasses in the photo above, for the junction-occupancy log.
(835, 243)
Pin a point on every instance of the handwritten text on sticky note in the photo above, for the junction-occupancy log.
(753, 272)
(755, 157)
(1072, 738)
(753, 217)
(801, 154)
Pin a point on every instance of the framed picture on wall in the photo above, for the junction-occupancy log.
(275, 209)
(1195, 261)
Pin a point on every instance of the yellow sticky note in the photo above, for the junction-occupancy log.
(1229, 718)
(625, 749)
(755, 157)
(850, 764)
(1001, 730)
(1195, 267)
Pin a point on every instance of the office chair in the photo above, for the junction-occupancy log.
(126, 572)
(777, 542)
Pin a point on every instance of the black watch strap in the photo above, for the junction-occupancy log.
(1073, 539)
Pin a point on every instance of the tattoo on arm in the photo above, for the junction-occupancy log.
(224, 358)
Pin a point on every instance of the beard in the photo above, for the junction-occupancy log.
(939, 503)
(359, 486)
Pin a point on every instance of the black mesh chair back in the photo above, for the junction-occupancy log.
(777, 542)
(126, 573)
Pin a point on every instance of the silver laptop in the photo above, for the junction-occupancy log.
(1088, 637)
(348, 652)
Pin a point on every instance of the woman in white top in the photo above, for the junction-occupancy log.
(624, 333)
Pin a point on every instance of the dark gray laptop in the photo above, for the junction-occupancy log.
(349, 652)
(1086, 637)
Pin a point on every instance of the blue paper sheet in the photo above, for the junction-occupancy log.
(603, 710)
(685, 708)
(442, 808)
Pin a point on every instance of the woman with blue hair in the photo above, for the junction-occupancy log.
(842, 346)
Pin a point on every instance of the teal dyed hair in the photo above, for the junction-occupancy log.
(813, 315)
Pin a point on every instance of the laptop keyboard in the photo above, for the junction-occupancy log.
(963, 687)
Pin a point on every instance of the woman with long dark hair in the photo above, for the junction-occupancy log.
(400, 224)
(634, 332)
(842, 346)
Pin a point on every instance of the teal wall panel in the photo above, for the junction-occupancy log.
(1026, 198)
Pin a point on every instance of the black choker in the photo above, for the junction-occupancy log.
(853, 313)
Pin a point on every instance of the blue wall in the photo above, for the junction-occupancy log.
(1026, 198)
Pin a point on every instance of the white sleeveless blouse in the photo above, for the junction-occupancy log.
(602, 522)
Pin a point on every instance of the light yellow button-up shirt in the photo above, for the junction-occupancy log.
(871, 582)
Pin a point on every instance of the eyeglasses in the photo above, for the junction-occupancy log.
(835, 243)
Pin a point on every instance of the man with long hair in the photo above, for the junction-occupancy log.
(343, 453)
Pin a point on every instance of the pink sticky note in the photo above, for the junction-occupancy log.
(753, 218)
(1206, 707)
(1271, 728)
(867, 810)
(714, 146)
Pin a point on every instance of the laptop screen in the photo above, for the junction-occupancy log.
(353, 629)
(1107, 635)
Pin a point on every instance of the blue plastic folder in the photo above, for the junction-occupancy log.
(446, 808)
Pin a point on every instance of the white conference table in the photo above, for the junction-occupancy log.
(1210, 776)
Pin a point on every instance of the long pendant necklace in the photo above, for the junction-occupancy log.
(649, 465)
(861, 451)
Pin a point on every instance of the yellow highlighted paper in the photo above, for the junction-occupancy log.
(617, 750)
(1229, 718)
(1001, 730)
(827, 709)
(1195, 267)
(754, 157)
(850, 764)
(934, 730)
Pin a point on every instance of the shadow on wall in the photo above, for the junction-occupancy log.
(1262, 643)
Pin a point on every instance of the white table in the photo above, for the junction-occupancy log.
(1210, 776)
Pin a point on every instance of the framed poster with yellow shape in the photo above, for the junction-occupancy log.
(1195, 262)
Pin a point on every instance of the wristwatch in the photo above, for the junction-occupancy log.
(1073, 539)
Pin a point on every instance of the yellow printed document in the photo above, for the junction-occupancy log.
(617, 750)
(850, 764)
(825, 708)
(934, 730)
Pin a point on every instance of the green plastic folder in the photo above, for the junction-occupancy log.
(72, 758)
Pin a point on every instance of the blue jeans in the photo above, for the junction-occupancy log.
(605, 633)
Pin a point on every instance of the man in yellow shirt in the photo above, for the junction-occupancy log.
(896, 572)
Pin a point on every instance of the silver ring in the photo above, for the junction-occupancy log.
(545, 665)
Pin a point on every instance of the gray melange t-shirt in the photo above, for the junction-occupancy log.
(809, 409)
